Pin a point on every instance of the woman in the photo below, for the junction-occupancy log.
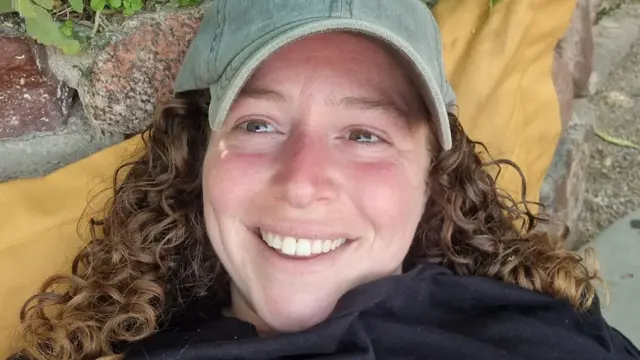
(319, 201)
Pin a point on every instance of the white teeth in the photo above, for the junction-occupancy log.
(317, 247)
(300, 247)
(289, 245)
(303, 247)
(277, 242)
(326, 246)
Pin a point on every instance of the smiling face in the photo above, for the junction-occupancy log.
(317, 180)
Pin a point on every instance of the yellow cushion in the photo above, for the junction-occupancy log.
(38, 223)
(499, 64)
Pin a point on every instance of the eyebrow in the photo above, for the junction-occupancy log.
(350, 102)
(262, 94)
(375, 104)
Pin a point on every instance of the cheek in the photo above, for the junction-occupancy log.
(231, 180)
(391, 194)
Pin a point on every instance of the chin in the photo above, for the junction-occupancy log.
(284, 315)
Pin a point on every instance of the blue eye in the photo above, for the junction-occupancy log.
(257, 126)
(363, 136)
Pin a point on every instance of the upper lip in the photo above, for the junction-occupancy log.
(304, 231)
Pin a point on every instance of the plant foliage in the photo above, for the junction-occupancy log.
(56, 22)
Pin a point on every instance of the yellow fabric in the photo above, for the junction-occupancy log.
(38, 227)
(499, 64)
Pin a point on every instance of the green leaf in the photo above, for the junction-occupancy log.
(98, 5)
(6, 6)
(616, 141)
(42, 27)
(128, 12)
(136, 5)
(67, 28)
(47, 4)
(25, 7)
(77, 5)
(115, 4)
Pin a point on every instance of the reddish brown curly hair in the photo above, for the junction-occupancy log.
(150, 253)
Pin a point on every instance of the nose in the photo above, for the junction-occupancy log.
(306, 171)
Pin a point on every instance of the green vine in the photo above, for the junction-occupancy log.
(70, 24)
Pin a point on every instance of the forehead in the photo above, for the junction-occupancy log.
(344, 64)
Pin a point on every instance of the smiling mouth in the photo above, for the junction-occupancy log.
(300, 247)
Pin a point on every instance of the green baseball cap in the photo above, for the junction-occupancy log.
(236, 36)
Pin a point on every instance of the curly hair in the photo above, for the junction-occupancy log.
(150, 254)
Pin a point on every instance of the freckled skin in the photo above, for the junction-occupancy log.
(302, 160)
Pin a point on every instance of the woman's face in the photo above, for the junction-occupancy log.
(317, 180)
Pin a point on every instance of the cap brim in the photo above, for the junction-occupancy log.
(224, 91)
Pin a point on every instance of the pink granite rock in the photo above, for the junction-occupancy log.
(576, 47)
(563, 83)
(133, 74)
(32, 100)
(563, 190)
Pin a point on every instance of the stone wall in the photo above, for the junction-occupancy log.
(57, 109)
(584, 58)
(42, 122)
(562, 189)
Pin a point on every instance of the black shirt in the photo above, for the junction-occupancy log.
(427, 313)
